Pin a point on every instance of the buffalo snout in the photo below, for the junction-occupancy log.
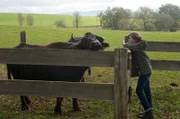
(96, 45)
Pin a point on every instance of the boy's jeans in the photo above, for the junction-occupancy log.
(144, 92)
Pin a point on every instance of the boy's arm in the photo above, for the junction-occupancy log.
(136, 46)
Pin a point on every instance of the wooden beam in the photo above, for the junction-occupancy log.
(57, 57)
(117, 84)
(165, 65)
(164, 46)
(121, 83)
(57, 89)
(23, 36)
(124, 83)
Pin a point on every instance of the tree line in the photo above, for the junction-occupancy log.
(29, 19)
(58, 23)
(76, 21)
(165, 18)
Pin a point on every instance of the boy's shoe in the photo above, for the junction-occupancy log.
(146, 115)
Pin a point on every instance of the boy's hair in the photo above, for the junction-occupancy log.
(136, 36)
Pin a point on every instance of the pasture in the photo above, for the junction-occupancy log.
(47, 19)
(166, 98)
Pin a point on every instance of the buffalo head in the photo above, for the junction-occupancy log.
(90, 42)
(89, 34)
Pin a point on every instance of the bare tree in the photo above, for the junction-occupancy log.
(30, 20)
(20, 19)
(76, 19)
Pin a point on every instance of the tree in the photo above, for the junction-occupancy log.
(147, 17)
(100, 16)
(20, 19)
(76, 19)
(113, 18)
(125, 19)
(173, 11)
(134, 23)
(107, 20)
(60, 23)
(163, 22)
(126, 24)
(30, 20)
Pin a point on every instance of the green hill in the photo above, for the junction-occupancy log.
(47, 19)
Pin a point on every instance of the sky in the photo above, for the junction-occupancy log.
(61, 6)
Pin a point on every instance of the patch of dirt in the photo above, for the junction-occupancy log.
(174, 84)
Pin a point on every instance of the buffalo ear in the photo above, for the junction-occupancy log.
(72, 35)
(105, 45)
(101, 39)
(71, 38)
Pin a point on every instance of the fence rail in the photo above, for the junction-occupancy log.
(72, 58)
(57, 57)
(165, 65)
(164, 46)
(57, 88)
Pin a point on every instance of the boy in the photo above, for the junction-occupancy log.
(141, 67)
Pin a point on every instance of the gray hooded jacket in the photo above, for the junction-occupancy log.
(140, 60)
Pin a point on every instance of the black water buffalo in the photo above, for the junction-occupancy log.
(78, 38)
(54, 73)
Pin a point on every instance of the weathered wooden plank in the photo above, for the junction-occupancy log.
(121, 83)
(57, 89)
(165, 65)
(23, 36)
(117, 84)
(124, 83)
(57, 57)
(164, 46)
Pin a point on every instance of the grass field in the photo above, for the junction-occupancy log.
(166, 99)
(47, 19)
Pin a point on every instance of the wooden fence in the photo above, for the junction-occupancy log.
(117, 91)
(120, 59)
(164, 47)
(117, 59)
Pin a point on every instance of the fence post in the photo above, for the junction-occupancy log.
(23, 36)
(121, 83)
